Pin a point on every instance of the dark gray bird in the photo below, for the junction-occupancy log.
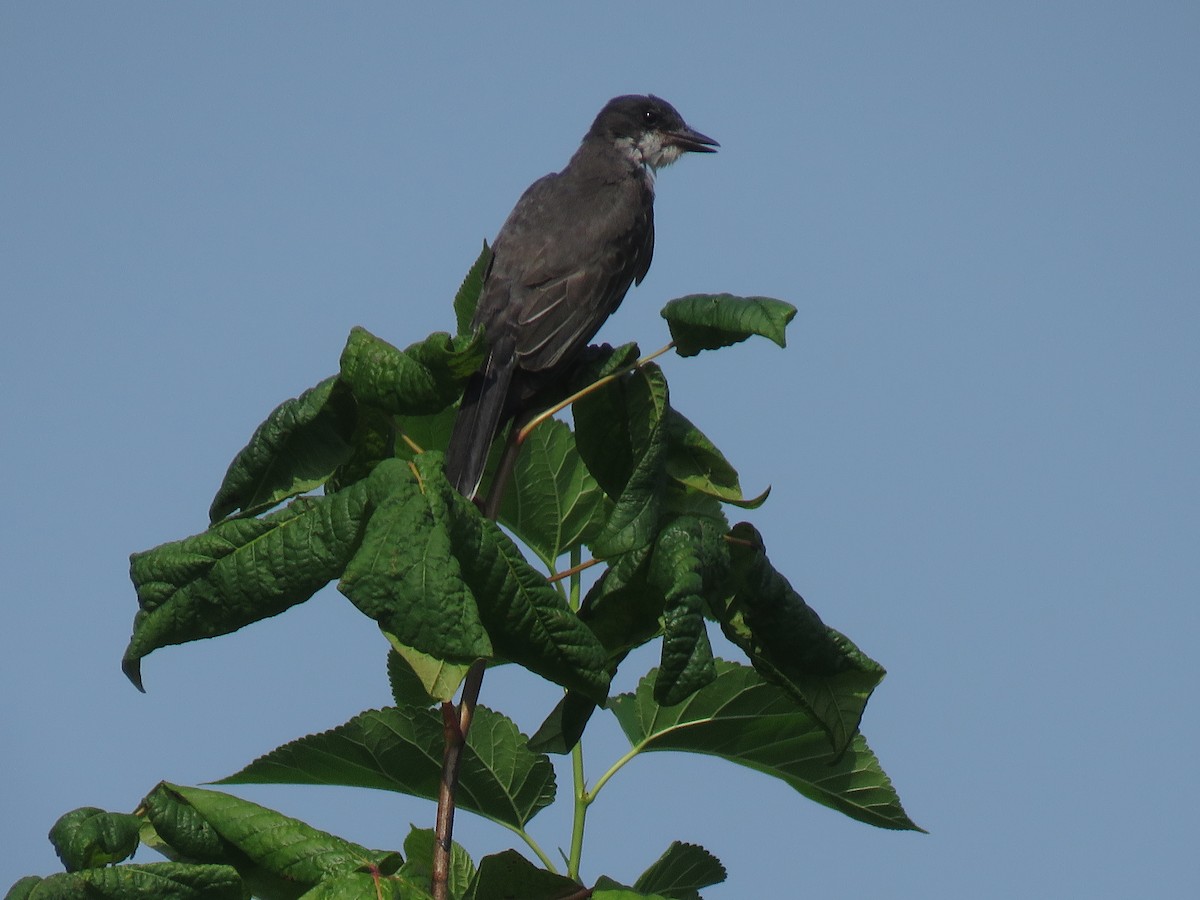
(561, 265)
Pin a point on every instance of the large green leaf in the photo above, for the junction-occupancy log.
(528, 621)
(622, 439)
(743, 719)
(710, 321)
(400, 749)
(406, 574)
(553, 503)
(789, 644)
(445, 581)
(421, 379)
(240, 571)
(296, 449)
(273, 851)
(152, 881)
(681, 871)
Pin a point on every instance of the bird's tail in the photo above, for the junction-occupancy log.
(478, 421)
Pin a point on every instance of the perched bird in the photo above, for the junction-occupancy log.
(561, 265)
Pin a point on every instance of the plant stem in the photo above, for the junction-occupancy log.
(612, 770)
(577, 773)
(541, 417)
(581, 807)
(456, 723)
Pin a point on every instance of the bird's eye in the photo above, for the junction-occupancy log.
(650, 117)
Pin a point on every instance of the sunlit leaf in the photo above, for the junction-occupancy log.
(744, 719)
(711, 321)
(299, 445)
(400, 749)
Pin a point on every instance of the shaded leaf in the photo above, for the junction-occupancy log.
(406, 574)
(689, 561)
(298, 446)
(277, 845)
(681, 871)
(418, 861)
(88, 838)
(528, 621)
(743, 719)
(418, 679)
(563, 728)
(553, 503)
(696, 463)
(151, 881)
(424, 378)
(789, 644)
(467, 297)
(509, 875)
(368, 886)
(621, 437)
(608, 889)
(400, 749)
(710, 321)
(240, 571)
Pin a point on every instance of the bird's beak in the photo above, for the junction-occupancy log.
(693, 141)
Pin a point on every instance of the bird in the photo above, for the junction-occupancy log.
(561, 264)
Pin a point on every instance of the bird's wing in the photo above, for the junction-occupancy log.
(558, 274)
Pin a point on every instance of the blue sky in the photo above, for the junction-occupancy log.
(981, 439)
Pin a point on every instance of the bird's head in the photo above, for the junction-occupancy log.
(648, 130)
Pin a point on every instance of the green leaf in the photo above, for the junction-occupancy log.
(373, 441)
(277, 846)
(298, 446)
(180, 832)
(681, 871)
(553, 503)
(240, 571)
(710, 321)
(424, 378)
(563, 728)
(418, 679)
(528, 621)
(696, 463)
(152, 881)
(400, 749)
(789, 644)
(467, 297)
(88, 838)
(418, 861)
(621, 437)
(745, 720)
(406, 574)
(368, 886)
(689, 562)
(509, 875)
(608, 889)
(449, 583)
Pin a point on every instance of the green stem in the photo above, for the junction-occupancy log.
(581, 807)
(613, 769)
(580, 783)
(533, 845)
